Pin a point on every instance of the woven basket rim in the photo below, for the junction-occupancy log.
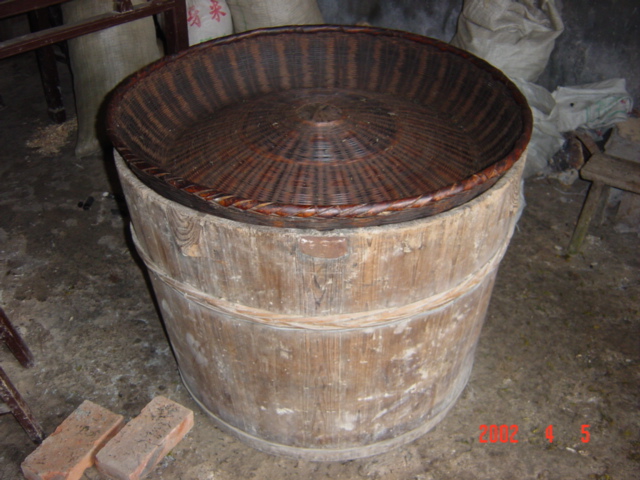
(154, 174)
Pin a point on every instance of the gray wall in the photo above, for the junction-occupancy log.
(433, 18)
(601, 38)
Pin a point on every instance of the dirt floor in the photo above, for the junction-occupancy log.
(560, 347)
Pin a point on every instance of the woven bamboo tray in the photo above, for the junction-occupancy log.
(320, 127)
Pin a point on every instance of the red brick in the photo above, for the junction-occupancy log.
(145, 440)
(71, 449)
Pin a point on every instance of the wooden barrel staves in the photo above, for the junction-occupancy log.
(325, 331)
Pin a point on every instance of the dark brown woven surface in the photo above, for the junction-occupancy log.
(320, 127)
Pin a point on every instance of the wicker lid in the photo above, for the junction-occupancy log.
(320, 127)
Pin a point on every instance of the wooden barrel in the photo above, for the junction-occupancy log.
(324, 345)
(322, 211)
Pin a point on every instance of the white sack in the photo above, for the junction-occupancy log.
(250, 14)
(546, 139)
(208, 19)
(515, 36)
(597, 106)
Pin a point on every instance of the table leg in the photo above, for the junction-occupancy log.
(588, 210)
(39, 20)
(176, 32)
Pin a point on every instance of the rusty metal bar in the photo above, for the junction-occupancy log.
(19, 408)
(14, 341)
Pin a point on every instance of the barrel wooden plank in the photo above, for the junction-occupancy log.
(324, 345)
(386, 267)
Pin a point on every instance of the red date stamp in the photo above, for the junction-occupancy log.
(507, 433)
(498, 433)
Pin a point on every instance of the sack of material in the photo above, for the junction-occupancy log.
(251, 14)
(546, 139)
(99, 61)
(515, 36)
(208, 19)
(595, 105)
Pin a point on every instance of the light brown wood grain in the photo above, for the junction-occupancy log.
(324, 345)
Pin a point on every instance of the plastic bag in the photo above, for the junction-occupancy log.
(597, 106)
(515, 36)
(546, 139)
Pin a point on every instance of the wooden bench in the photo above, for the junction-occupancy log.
(604, 171)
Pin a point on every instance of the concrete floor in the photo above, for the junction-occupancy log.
(561, 343)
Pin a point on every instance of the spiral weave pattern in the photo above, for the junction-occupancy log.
(320, 127)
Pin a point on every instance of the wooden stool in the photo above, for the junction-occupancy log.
(15, 404)
(604, 171)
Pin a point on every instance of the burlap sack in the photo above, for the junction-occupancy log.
(250, 14)
(99, 61)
